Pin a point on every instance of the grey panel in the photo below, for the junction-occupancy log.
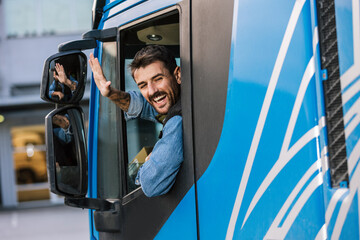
(211, 39)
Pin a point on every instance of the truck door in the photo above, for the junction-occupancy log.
(117, 147)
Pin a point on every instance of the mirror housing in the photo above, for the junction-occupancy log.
(66, 152)
(64, 77)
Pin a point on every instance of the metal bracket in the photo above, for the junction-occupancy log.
(89, 40)
(107, 215)
(105, 35)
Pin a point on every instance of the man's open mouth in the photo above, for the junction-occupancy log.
(159, 99)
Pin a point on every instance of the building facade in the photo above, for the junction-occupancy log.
(30, 31)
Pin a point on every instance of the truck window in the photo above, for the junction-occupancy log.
(141, 135)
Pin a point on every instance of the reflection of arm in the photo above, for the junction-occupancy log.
(64, 135)
(72, 84)
(63, 132)
(61, 76)
(158, 174)
(52, 89)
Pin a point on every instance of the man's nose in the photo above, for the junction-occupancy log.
(152, 88)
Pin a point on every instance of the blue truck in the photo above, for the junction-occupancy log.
(271, 110)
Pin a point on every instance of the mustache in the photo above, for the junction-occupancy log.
(156, 94)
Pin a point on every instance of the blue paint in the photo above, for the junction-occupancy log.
(181, 224)
(256, 40)
(344, 30)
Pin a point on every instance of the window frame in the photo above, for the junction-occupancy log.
(118, 126)
(129, 196)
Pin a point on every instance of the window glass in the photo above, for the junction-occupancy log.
(141, 135)
(30, 162)
(109, 131)
(27, 18)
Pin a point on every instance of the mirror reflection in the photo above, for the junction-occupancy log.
(64, 75)
(67, 168)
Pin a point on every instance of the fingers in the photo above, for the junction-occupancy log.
(148, 157)
(56, 77)
(59, 68)
(99, 78)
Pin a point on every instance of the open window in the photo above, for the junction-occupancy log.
(139, 135)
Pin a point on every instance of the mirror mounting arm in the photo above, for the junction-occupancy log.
(107, 215)
(90, 203)
(89, 40)
(105, 35)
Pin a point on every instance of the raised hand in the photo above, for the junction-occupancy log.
(100, 80)
(61, 76)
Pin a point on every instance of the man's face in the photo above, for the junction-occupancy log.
(159, 87)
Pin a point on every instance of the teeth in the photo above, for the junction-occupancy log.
(159, 98)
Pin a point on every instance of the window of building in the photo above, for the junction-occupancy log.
(29, 154)
(30, 18)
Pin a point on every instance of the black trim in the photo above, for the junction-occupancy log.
(77, 45)
(106, 35)
(97, 12)
(45, 83)
(332, 93)
(80, 146)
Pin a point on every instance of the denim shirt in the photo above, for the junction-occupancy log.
(157, 175)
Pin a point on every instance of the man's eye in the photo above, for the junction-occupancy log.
(142, 86)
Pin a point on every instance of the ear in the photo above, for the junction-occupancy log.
(177, 74)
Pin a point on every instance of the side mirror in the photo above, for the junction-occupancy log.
(64, 77)
(66, 152)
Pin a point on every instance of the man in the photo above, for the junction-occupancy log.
(62, 86)
(158, 77)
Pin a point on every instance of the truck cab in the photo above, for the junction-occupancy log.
(269, 95)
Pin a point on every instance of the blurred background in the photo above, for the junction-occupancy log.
(30, 31)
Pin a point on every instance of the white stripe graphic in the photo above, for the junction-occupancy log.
(352, 91)
(285, 153)
(332, 204)
(294, 212)
(348, 76)
(346, 203)
(354, 70)
(322, 234)
(315, 40)
(354, 157)
(276, 232)
(356, 31)
(350, 120)
(324, 160)
(263, 114)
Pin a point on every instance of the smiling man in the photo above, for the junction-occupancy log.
(158, 77)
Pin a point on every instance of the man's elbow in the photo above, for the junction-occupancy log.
(153, 191)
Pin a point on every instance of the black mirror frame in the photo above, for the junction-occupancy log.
(81, 153)
(44, 88)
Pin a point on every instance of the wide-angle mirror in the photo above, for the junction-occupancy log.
(66, 152)
(64, 77)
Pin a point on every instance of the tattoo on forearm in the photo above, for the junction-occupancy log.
(73, 86)
(120, 98)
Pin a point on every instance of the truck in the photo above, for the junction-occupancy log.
(271, 111)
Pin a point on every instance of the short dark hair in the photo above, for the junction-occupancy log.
(151, 54)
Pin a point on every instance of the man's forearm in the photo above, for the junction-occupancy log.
(120, 98)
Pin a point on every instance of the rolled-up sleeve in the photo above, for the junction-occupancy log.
(158, 174)
(139, 108)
